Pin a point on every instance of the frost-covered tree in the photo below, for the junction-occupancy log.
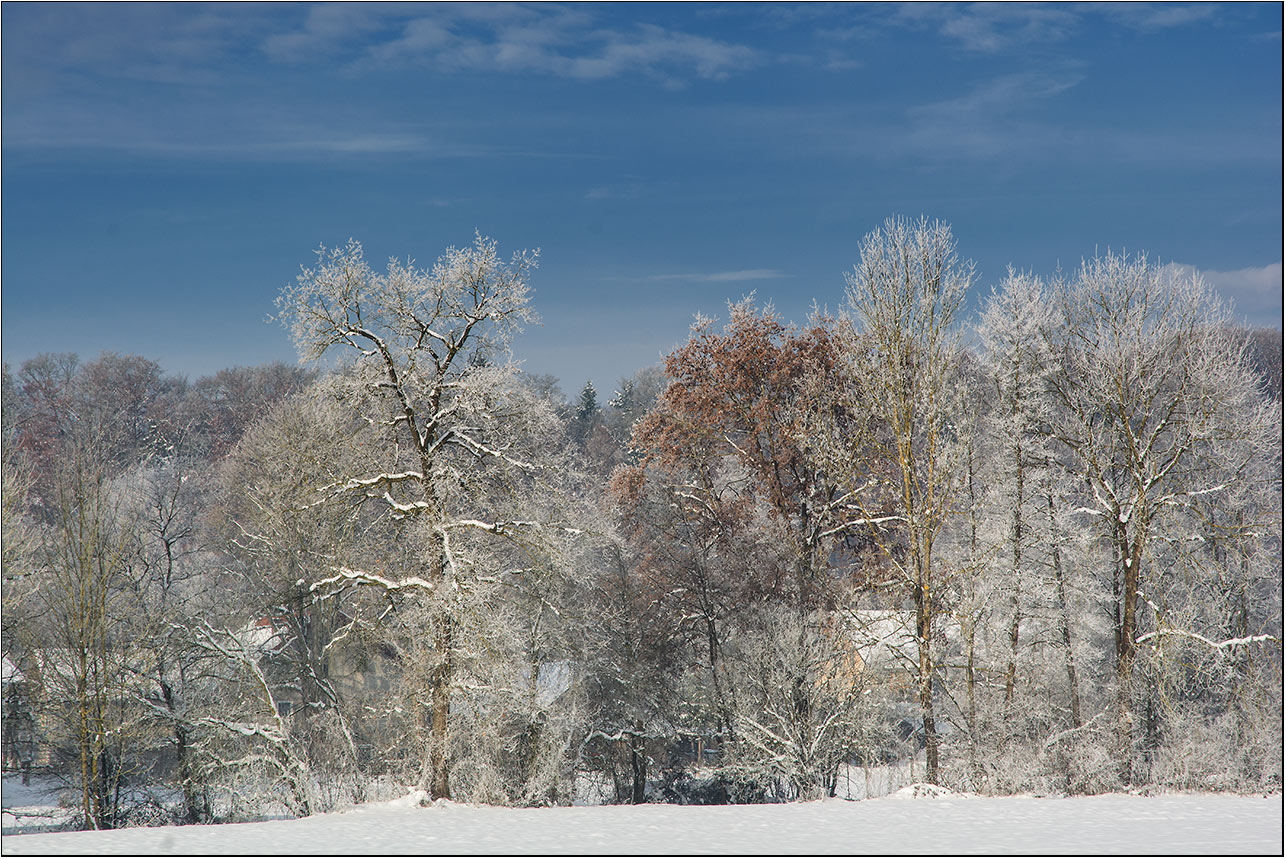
(587, 408)
(1011, 332)
(633, 398)
(1264, 354)
(636, 658)
(283, 542)
(1027, 574)
(172, 583)
(21, 537)
(454, 441)
(76, 608)
(76, 428)
(889, 434)
(1159, 414)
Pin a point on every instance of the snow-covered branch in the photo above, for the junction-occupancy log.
(1217, 645)
(362, 577)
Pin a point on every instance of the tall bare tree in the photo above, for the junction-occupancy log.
(84, 568)
(1026, 492)
(453, 436)
(1156, 405)
(896, 449)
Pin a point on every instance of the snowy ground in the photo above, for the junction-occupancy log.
(899, 824)
(33, 808)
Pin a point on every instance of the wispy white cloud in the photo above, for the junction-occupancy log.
(1017, 116)
(842, 32)
(84, 44)
(240, 137)
(555, 41)
(989, 28)
(992, 27)
(1002, 95)
(77, 44)
(240, 48)
(1255, 293)
(991, 119)
(724, 276)
(327, 28)
(628, 188)
(1152, 17)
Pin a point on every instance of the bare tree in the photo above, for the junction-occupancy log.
(19, 564)
(1155, 408)
(897, 453)
(84, 568)
(452, 437)
(217, 409)
(1028, 569)
(81, 600)
(170, 586)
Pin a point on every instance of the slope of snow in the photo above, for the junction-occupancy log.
(1170, 824)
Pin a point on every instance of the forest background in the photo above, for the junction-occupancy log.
(1045, 561)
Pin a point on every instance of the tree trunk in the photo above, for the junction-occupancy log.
(1064, 614)
(86, 754)
(924, 637)
(1126, 648)
(439, 786)
(193, 808)
(638, 766)
(1064, 618)
(971, 711)
(1011, 670)
(440, 702)
(969, 627)
(722, 704)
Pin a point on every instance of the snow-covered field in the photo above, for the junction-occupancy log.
(899, 824)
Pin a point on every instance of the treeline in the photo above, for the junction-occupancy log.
(1036, 551)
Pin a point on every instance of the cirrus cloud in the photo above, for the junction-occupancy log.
(725, 276)
(554, 41)
(1255, 292)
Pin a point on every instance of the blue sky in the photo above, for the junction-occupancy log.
(167, 168)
